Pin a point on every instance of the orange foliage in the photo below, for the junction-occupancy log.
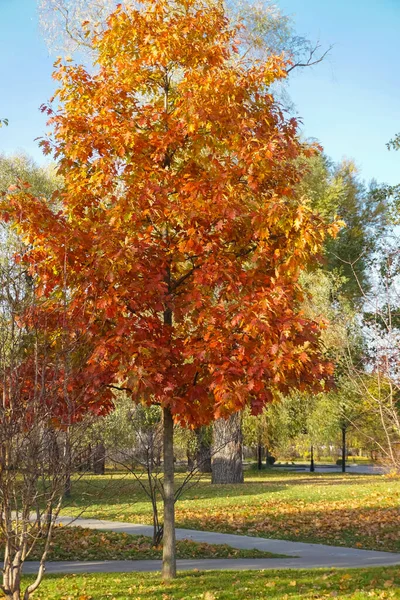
(47, 377)
(180, 227)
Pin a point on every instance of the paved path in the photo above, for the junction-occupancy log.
(351, 468)
(300, 555)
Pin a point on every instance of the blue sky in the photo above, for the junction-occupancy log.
(25, 75)
(350, 102)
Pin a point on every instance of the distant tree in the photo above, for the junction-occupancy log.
(226, 457)
(394, 144)
(391, 193)
(40, 418)
(337, 190)
(203, 448)
(376, 378)
(265, 432)
(267, 30)
(43, 180)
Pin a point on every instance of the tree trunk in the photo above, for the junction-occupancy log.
(190, 459)
(99, 459)
(169, 544)
(343, 449)
(259, 456)
(203, 454)
(68, 467)
(312, 465)
(227, 466)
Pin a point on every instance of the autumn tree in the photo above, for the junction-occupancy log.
(44, 389)
(266, 31)
(180, 225)
(43, 411)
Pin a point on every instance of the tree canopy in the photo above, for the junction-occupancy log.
(336, 189)
(181, 228)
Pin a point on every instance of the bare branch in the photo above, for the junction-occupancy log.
(311, 60)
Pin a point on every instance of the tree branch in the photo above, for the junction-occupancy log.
(179, 281)
(311, 61)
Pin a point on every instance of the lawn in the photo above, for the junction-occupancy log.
(78, 543)
(355, 584)
(341, 509)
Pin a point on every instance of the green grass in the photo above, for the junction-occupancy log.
(334, 508)
(354, 584)
(77, 543)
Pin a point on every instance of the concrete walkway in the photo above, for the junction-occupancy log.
(350, 468)
(300, 555)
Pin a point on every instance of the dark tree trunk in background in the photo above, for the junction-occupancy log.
(190, 458)
(227, 466)
(85, 460)
(312, 465)
(54, 450)
(344, 449)
(99, 459)
(259, 456)
(169, 543)
(68, 466)
(203, 454)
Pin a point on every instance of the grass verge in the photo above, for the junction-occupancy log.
(361, 511)
(354, 584)
(77, 543)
